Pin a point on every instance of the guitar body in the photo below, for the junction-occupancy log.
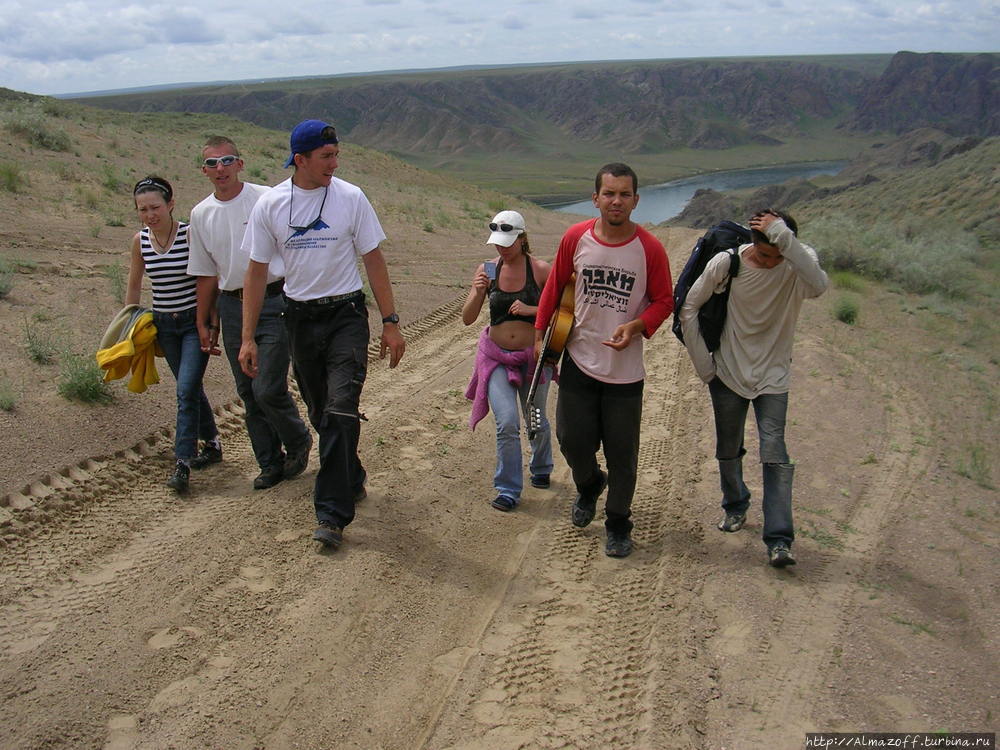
(553, 344)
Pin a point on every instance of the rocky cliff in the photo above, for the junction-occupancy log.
(958, 94)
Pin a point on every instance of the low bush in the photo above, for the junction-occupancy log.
(920, 258)
(30, 122)
(6, 281)
(12, 179)
(80, 379)
(845, 309)
(7, 398)
(116, 275)
(42, 350)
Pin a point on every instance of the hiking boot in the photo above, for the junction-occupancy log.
(297, 461)
(732, 522)
(585, 505)
(541, 481)
(780, 556)
(178, 481)
(504, 503)
(328, 534)
(268, 477)
(210, 454)
(619, 544)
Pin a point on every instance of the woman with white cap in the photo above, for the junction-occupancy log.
(513, 282)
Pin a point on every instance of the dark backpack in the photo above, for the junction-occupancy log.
(726, 236)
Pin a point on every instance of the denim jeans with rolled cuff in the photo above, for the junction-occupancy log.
(329, 349)
(177, 334)
(272, 418)
(591, 414)
(507, 403)
(770, 409)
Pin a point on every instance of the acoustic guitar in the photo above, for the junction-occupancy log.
(552, 347)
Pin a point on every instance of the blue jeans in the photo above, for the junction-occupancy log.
(507, 403)
(329, 348)
(272, 418)
(730, 418)
(177, 335)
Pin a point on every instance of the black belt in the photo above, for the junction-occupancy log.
(326, 301)
(271, 290)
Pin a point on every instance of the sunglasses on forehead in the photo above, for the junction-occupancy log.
(214, 161)
(494, 227)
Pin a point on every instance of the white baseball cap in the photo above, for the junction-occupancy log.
(505, 227)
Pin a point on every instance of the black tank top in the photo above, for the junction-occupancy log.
(500, 301)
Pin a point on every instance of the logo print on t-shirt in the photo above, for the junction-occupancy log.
(318, 224)
(607, 287)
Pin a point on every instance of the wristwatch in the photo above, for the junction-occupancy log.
(391, 319)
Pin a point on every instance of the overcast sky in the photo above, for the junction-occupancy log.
(66, 46)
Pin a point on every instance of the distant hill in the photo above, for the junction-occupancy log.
(959, 94)
(640, 107)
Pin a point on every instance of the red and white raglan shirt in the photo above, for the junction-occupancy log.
(615, 284)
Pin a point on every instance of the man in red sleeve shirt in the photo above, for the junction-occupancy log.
(623, 289)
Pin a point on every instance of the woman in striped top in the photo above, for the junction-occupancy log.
(160, 250)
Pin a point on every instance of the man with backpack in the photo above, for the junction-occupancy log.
(752, 364)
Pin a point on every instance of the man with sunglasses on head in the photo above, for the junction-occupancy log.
(752, 365)
(279, 438)
(317, 225)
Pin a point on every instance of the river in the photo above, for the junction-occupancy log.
(661, 202)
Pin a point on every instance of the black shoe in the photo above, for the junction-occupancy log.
(298, 460)
(585, 505)
(619, 544)
(268, 477)
(504, 503)
(328, 534)
(209, 455)
(541, 481)
(780, 556)
(178, 481)
(732, 522)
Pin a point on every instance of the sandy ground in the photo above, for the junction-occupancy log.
(131, 618)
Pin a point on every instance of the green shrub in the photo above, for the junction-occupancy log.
(7, 398)
(6, 281)
(919, 258)
(116, 275)
(847, 280)
(111, 181)
(42, 350)
(12, 179)
(30, 122)
(846, 310)
(976, 466)
(80, 379)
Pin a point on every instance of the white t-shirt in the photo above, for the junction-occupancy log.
(322, 260)
(216, 238)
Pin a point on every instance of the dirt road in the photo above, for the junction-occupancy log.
(130, 618)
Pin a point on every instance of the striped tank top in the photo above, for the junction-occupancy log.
(173, 289)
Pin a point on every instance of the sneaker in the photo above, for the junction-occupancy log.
(328, 534)
(268, 477)
(619, 544)
(732, 522)
(297, 461)
(780, 556)
(541, 481)
(504, 503)
(210, 454)
(178, 481)
(585, 506)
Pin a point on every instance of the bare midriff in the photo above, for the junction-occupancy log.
(513, 335)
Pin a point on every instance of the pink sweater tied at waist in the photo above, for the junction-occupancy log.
(489, 356)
